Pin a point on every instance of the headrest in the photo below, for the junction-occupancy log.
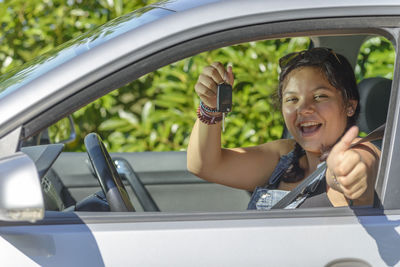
(374, 102)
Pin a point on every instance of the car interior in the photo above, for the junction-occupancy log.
(159, 181)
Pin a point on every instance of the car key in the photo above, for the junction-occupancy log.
(224, 100)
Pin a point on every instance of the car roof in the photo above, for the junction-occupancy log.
(40, 84)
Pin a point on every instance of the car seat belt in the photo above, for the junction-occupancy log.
(301, 188)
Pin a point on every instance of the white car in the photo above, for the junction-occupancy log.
(54, 212)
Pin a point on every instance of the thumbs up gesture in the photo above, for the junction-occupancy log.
(347, 170)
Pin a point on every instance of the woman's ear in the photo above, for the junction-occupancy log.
(351, 108)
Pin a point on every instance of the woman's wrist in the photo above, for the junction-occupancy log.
(208, 109)
(208, 115)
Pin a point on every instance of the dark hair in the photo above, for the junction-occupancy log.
(335, 67)
(294, 173)
(339, 73)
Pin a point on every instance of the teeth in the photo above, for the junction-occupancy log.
(307, 124)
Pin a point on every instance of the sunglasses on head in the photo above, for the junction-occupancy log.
(318, 54)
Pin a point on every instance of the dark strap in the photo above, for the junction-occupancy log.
(302, 187)
(283, 164)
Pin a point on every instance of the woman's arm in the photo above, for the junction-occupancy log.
(352, 171)
(242, 168)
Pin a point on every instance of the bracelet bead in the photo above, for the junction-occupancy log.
(207, 108)
(207, 119)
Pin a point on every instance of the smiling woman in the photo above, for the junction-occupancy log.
(327, 84)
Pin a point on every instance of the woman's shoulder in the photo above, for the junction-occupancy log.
(280, 146)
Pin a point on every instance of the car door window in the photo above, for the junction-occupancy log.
(156, 113)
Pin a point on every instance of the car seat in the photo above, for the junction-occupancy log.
(374, 102)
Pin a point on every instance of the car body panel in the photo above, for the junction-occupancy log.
(186, 240)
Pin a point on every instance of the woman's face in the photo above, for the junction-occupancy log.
(314, 110)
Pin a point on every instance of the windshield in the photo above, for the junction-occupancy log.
(26, 73)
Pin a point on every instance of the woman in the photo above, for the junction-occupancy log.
(319, 103)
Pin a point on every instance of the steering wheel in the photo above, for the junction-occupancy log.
(105, 170)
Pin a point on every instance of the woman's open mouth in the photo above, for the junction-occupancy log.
(309, 128)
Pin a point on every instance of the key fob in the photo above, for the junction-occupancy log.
(224, 98)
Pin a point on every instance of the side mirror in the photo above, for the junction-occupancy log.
(21, 196)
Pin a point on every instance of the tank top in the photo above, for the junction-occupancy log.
(265, 197)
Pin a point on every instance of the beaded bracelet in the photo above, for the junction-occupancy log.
(205, 118)
(207, 108)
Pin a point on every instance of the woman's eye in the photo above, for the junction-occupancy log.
(291, 99)
(320, 97)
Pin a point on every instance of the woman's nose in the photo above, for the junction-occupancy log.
(305, 107)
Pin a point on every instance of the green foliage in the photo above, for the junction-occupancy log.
(60, 131)
(31, 28)
(376, 58)
(157, 111)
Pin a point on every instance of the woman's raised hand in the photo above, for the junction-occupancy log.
(206, 86)
(350, 172)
